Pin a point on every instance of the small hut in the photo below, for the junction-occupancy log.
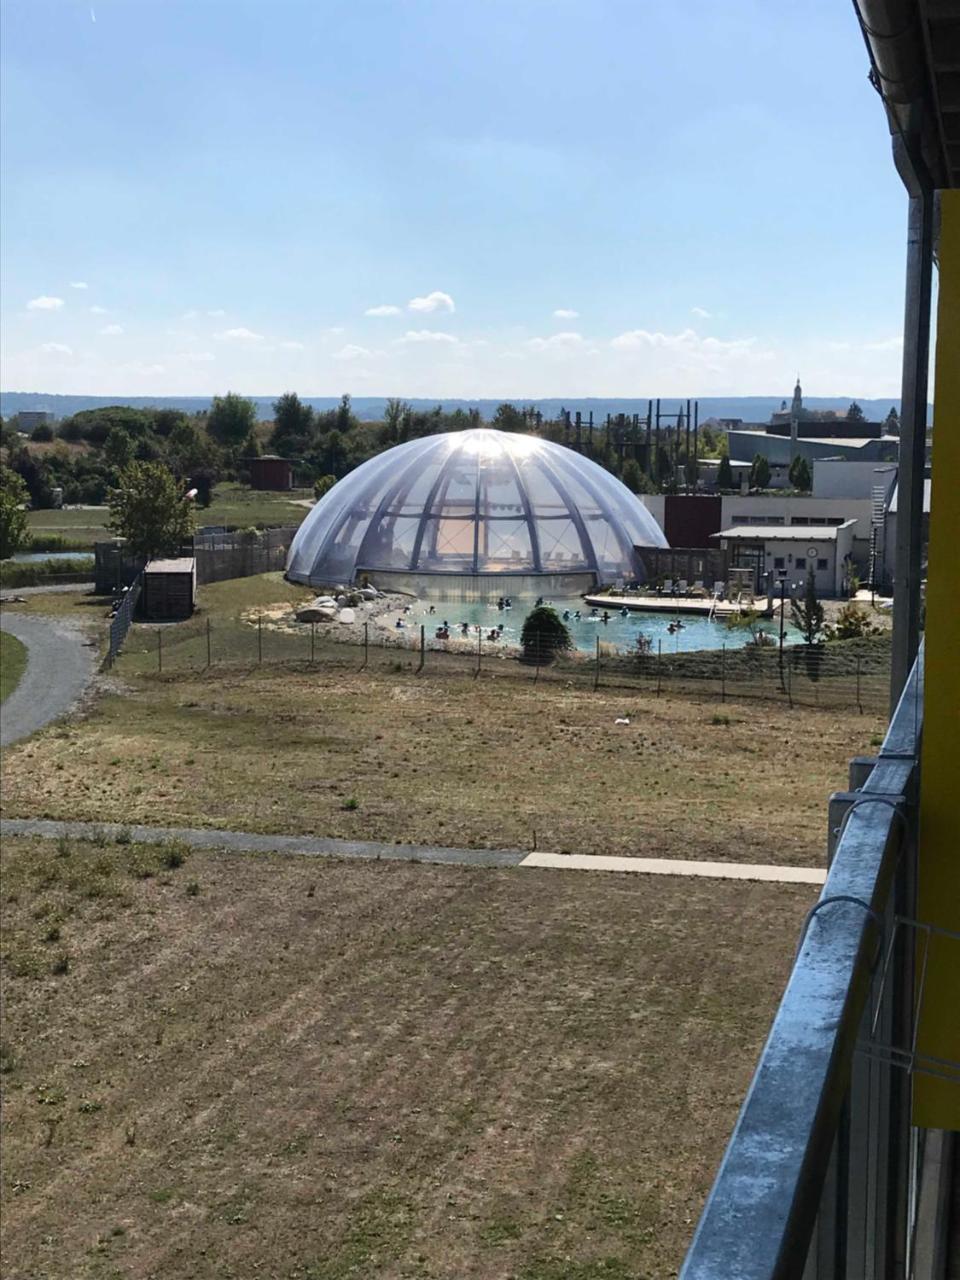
(169, 589)
(270, 472)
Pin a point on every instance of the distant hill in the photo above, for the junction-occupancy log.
(368, 408)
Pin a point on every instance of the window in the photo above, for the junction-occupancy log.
(823, 564)
(779, 562)
(799, 519)
(800, 562)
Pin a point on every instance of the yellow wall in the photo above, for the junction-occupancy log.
(936, 1101)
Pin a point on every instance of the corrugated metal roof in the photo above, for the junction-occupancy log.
(784, 533)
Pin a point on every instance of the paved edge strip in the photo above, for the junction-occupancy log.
(678, 867)
(327, 846)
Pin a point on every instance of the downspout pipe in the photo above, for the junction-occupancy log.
(908, 549)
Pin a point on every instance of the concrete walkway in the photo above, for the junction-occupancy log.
(60, 665)
(321, 846)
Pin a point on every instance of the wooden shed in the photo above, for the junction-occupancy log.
(169, 589)
(270, 472)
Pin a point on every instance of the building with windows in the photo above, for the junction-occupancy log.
(790, 554)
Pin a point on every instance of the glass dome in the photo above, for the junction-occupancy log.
(471, 503)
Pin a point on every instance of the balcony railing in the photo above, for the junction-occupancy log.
(819, 1179)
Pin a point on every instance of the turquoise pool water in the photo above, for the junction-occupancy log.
(690, 632)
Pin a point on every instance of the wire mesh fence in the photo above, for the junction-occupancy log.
(848, 674)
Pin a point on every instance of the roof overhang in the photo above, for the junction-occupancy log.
(914, 48)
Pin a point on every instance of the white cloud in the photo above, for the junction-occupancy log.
(885, 344)
(199, 357)
(565, 313)
(218, 313)
(143, 370)
(111, 330)
(79, 284)
(351, 352)
(239, 335)
(435, 301)
(291, 346)
(45, 303)
(686, 343)
(427, 335)
(556, 342)
(386, 309)
(700, 313)
(98, 311)
(56, 349)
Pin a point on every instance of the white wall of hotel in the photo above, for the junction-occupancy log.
(793, 552)
(791, 512)
(843, 478)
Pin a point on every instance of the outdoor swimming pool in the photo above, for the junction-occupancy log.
(619, 632)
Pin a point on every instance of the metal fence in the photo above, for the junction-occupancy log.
(122, 620)
(852, 674)
(820, 1178)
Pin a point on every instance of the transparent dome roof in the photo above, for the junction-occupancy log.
(474, 502)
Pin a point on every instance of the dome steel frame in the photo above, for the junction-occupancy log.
(476, 503)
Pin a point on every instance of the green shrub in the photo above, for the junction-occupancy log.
(544, 635)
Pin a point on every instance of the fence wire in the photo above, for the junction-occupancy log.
(849, 674)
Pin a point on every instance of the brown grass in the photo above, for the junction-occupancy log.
(448, 760)
(312, 1070)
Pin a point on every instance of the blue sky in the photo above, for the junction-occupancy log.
(548, 197)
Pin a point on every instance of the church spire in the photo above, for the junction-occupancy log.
(796, 408)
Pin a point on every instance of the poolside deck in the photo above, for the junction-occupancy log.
(702, 605)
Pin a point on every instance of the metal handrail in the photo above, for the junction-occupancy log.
(759, 1218)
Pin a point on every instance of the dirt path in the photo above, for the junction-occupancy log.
(324, 846)
(60, 665)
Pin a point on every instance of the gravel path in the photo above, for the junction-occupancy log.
(60, 665)
(321, 846)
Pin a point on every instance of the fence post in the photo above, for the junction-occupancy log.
(313, 641)
(159, 652)
(596, 669)
(723, 673)
(366, 643)
(790, 683)
(208, 641)
(479, 651)
(859, 703)
(423, 647)
(259, 637)
(659, 663)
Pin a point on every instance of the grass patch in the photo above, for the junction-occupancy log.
(13, 663)
(450, 760)
(417, 1071)
(233, 505)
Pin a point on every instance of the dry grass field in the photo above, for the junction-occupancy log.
(225, 1066)
(494, 763)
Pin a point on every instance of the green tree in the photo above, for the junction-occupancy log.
(509, 418)
(323, 485)
(189, 450)
(891, 423)
(799, 474)
(395, 416)
(118, 450)
(13, 518)
(544, 635)
(232, 418)
(855, 413)
(807, 612)
(759, 472)
(293, 425)
(42, 433)
(149, 510)
(345, 419)
(634, 478)
(725, 473)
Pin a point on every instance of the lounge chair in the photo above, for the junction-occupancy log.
(698, 588)
(682, 587)
(667, 587)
